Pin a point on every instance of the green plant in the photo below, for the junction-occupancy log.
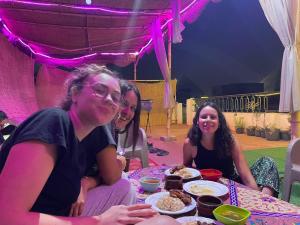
(239, 122)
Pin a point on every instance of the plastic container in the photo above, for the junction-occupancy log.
(231, 215)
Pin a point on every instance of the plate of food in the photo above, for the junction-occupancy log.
(196, 220)
(184, 172)
(171, 203)
(205, 187)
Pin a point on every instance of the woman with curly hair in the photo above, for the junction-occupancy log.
(210, 144)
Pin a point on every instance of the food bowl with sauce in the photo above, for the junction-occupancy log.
(150, 184)
(211, 174)
(231, 215)
(206, 204)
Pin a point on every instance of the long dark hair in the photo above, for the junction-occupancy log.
(135, 122)
(223, 142)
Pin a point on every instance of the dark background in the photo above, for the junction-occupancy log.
(231, 42)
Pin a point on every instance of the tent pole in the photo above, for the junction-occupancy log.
(169, 113)
(168, 137)
(134, 69)
(295, 128)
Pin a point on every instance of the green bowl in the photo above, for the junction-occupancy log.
(231, 215)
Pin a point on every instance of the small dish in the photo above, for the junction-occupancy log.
(207, 203)
(193, 173)
(189, 219)
(231, 215)
(150, 184)
(211, 174)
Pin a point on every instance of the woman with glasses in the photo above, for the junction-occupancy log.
(102, 185)
(42, 162)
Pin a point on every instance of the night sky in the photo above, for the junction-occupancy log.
(231, 42)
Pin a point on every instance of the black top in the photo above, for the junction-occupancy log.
(95, 142)
(52, 126)
(207, 159)
(1, 139)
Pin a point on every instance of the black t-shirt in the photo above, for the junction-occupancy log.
(95, 142)
(1, 139)
(53, 126)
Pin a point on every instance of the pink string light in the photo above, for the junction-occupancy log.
(76, 60)
(85, 8)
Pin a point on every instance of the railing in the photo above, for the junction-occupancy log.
(251, 102)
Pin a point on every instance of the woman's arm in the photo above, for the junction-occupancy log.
(110, 168)
(188, 153)
(242, 167)
(25, 173)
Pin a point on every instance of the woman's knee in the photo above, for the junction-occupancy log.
(123, 185)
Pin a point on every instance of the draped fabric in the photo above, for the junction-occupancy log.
(18, 99)
(50, 86)
(161, 56)
(281, 15)
(177, 25)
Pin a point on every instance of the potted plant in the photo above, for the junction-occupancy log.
(285, 134)
(258, 131)
(239, 125)
(263, 132)
(250, 131)
(272, 133)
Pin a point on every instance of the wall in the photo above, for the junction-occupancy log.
(154, 90)
(278, 120)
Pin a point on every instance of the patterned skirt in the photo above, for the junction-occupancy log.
(265, 173)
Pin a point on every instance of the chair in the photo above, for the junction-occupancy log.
(292, 168)
(141, 148)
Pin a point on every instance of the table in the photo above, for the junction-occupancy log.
(265, 210)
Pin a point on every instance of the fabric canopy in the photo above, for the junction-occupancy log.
(69, 32)
(282, 16)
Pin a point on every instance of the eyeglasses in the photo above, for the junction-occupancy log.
(102, 91)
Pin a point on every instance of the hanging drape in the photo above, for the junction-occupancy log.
(50, 86)
(18, 99)
(281, 14)
(177, 25)
(161, 56)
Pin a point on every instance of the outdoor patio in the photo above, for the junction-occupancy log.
(180, 131)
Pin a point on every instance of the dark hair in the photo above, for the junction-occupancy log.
(223, 142)
(126, 87)
(80, 75)
(3, 115)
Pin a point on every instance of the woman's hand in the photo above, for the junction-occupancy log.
(120, 215)
(122, 160)
(77, 207)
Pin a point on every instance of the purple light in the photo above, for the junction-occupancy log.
(165, 24)
(88, 8)
(75, 60)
